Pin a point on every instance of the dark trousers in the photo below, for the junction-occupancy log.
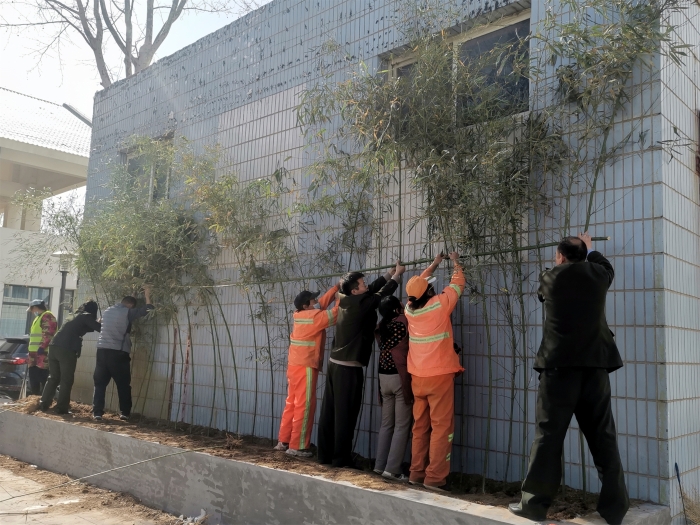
(584, 392)
(37, 379)
(112, 364)
(62, 363)
(342, 400)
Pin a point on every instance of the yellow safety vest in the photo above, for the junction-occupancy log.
(36, 334)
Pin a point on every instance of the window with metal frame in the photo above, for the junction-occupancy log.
(14, 318)
(516, 87)
(151, 174)
(474, 44)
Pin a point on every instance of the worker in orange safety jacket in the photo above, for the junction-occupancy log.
(433, 364)
(307, 344)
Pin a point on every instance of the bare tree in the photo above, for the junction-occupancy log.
(136, 29)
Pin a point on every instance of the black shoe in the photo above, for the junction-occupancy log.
(351, 465)
(516, 509)
(124, 417)
(43, 407)
(446, 488)
(64, 412)
(97, 418)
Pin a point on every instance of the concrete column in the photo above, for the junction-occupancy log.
(13, 217)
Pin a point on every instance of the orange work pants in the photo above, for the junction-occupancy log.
(298, 415)
(433, 429)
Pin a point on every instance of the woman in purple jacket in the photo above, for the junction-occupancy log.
(396, 396)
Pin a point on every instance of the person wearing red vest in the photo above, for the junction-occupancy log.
(433, 365)
(307, 343)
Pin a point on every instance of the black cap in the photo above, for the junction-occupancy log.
(303, 298)
(90, 307)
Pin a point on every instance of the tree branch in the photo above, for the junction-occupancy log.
(71, 22)
(110, 26)
(175, 12)
(148, 48)
(84, 23)
(149, 21)
(128, 42)
(64, 6)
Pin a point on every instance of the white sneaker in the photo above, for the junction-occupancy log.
(299, 453)
(281, 446)
(396, 477)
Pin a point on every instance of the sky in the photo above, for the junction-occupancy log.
(72, 77)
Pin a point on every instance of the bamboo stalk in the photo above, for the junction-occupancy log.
(166, 391)
(487, 443)
(387, 266)
(255, 359)
(213, 397)
(463, 437)
(269, 357)
(191, 344)
(182, 371)
(235, 368)
(171, 377)
(151, 359)
(217, 350)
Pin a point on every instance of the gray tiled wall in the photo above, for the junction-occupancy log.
(238, 88)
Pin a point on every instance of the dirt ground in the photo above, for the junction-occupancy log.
(86, 496)
(569, 504)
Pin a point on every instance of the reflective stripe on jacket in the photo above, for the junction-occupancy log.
(307, 341)
(38, 353)
(431, 343)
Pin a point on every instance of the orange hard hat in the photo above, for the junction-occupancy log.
(416, 286)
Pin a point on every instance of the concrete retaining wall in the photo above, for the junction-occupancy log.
(233, 492)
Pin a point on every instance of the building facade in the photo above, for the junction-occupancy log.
(239, 88)
(42, 145)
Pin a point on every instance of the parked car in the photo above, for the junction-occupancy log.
(14, 356)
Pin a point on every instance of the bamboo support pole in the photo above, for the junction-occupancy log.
(388, 266)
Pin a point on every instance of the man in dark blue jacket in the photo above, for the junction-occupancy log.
(576, 355)
(113, 349)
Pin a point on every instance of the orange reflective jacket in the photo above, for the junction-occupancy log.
(307, 341)
(431, 343)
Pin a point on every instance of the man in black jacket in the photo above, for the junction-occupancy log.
(576, 355)
(352, 348)
(64, 352)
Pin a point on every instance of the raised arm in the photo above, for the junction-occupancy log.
(453, 291)
(328, 297)
(136, 313)
(596, 257)
(428, 272)
(326, 318)
(93, 324)
(389, 288)
(381, 282)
